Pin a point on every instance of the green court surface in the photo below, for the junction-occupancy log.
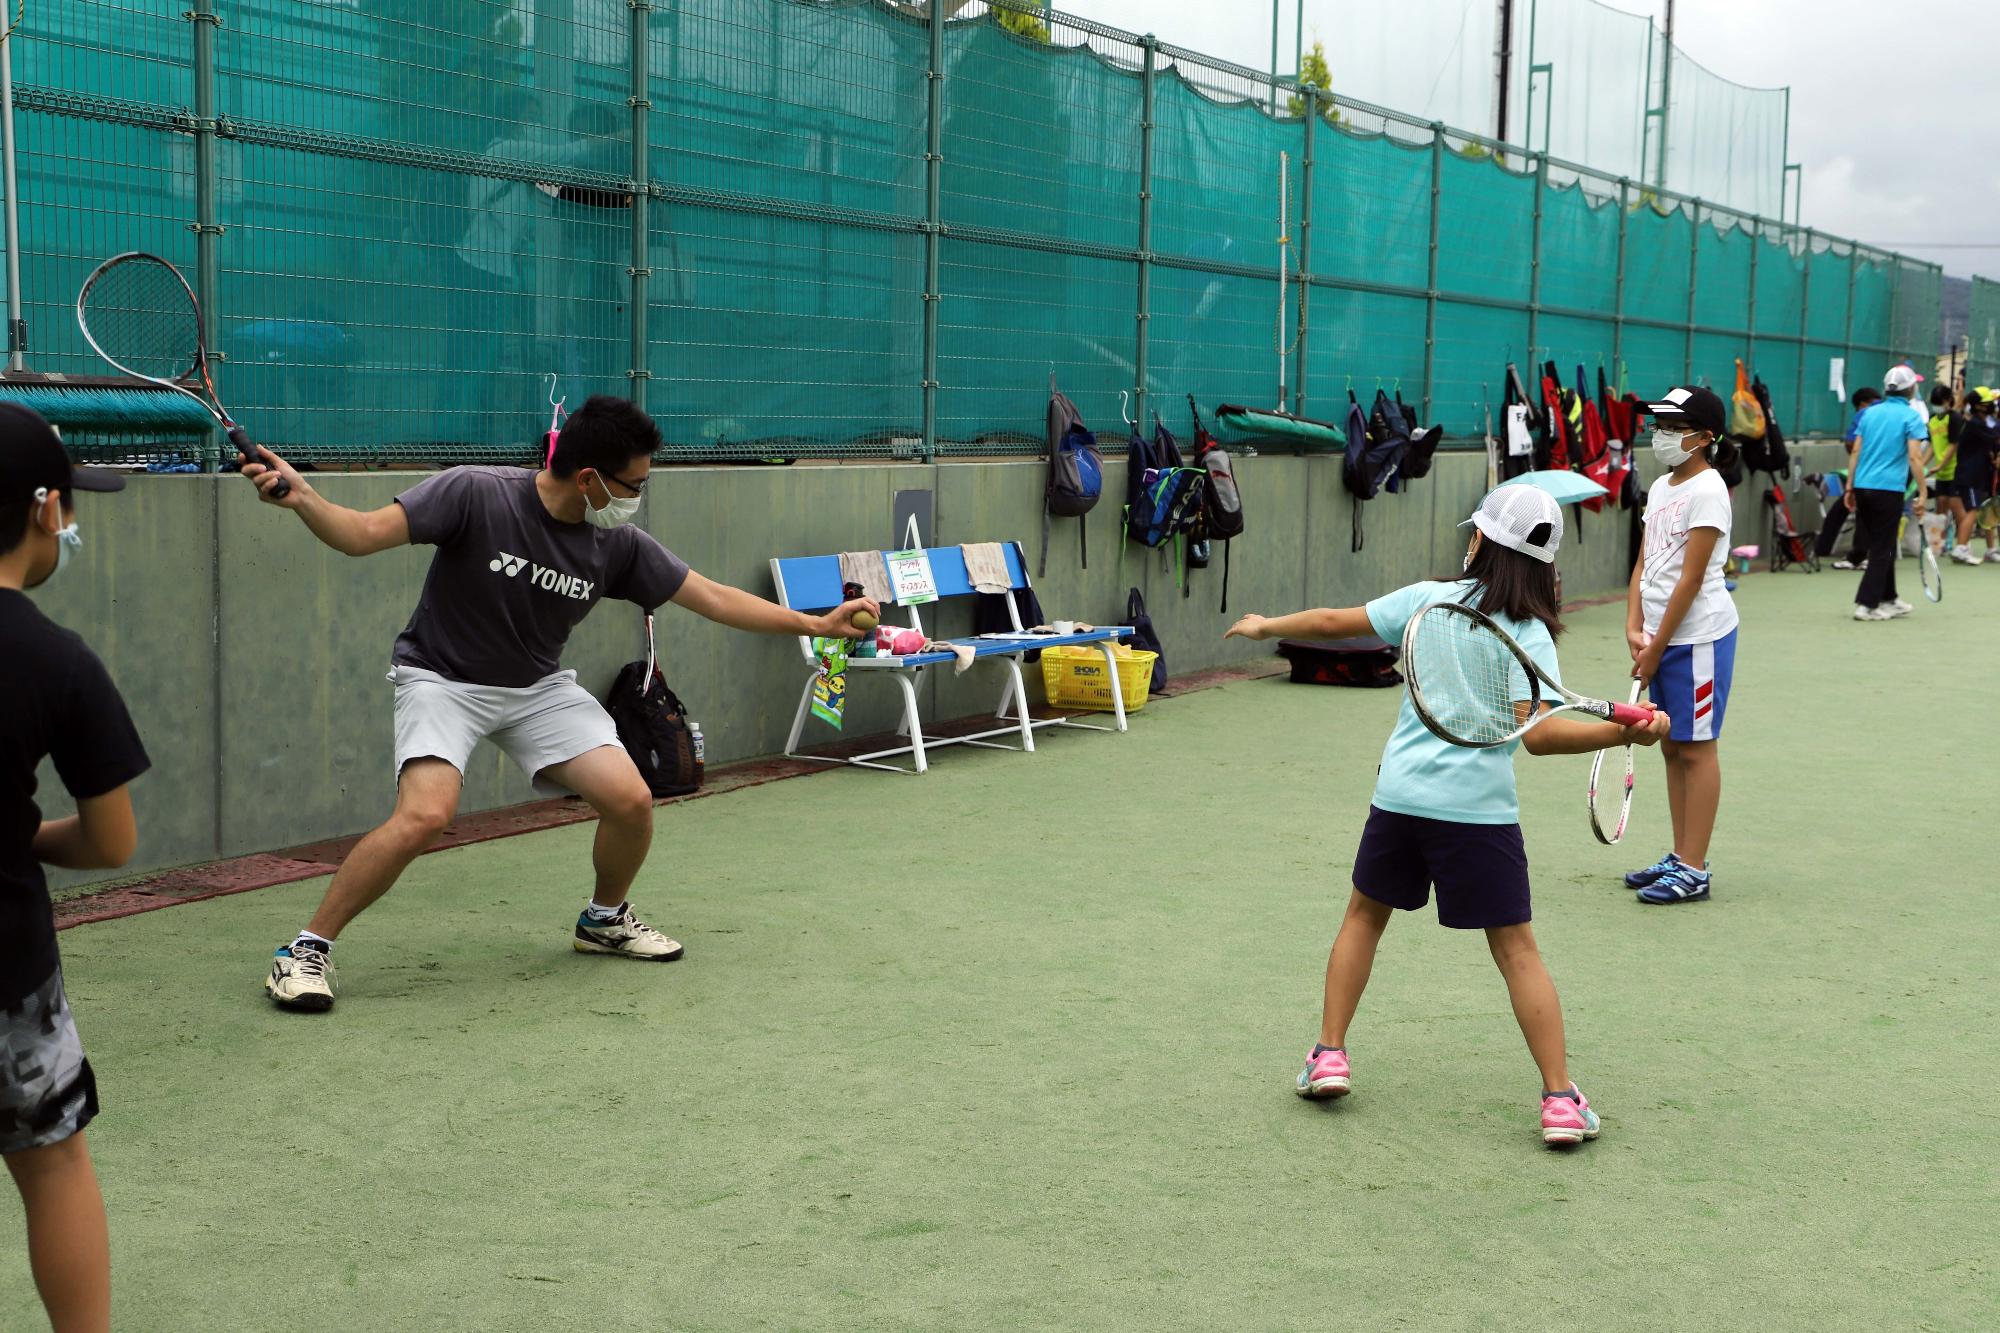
(1011, 1045)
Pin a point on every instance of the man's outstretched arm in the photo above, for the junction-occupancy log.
(747, 611)
(348, 531)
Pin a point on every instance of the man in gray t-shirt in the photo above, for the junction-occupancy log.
(521, 558)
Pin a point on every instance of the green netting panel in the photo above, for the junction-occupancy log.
(1780, 284)
(1917, 322)
(138, 52)
(815, 104)
(1778, 365)
(1486, 227)
(778, 337)
(1474, 345)
(1371, 208)
(1715, 361)
(1215, 336)
(1363, 334)
(1983, 334)
(1821, 411)
(1011, 318)
(1872, 296)
(1654, 360)
(1570, 342)
(1722, 275)
(1826, 295)
(1658, 251)
(1040, 141)
(1215, 176)
(1579, 249)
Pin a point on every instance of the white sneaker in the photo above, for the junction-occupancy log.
(625, 935)
(301, 978)
(1873, 613)
(1963, 555)
(1844, 563)
(1993, 557)
(1898, 607)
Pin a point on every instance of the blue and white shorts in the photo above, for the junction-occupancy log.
(1692, 685)
(46, 1089)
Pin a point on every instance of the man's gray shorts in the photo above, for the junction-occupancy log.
(537, 726)
(46, 1089)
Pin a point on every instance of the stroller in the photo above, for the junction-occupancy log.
(1789, 546)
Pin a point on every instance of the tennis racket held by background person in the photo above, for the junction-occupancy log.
(1468, 678)
(1593, 796)
(139, 314)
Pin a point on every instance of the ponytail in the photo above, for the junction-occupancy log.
(1722, 454)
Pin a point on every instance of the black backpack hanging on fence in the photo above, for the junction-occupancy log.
(1777, 458)
(1221, 503)
(1145, 638)
(1423, 443)
(1076, 472)
(1366, 464)
(653, 726)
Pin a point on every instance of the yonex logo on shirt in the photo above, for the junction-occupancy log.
(554, 580)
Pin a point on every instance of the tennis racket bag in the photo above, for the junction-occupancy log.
(1221, 502)
(1365, 663)
(653, 727)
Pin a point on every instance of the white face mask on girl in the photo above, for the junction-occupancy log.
(1667, 447)
(615, 513)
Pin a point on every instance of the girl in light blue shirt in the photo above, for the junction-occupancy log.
(1447, 817)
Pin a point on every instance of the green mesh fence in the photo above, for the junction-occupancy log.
(1982, 335)
(410, 220)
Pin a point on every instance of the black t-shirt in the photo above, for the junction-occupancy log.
(510, 581)
(1976, 442)
(56, 700)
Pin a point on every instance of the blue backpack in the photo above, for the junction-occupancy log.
(1076, 473)
(1371, 460)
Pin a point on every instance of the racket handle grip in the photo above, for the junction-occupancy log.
(1631, 715)
(248, 449)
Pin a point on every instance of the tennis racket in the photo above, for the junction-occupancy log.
(1927, 563)
(1617, 830)
(139, 314)
(1468, 677)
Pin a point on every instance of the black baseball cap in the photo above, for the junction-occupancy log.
(32, 458)
(1693, 406)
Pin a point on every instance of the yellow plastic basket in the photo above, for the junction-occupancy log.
(1076, 677)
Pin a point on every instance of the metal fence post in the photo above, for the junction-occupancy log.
(1847, 330)
(1694, 271)
(1535, 263)
(1431, 270)
(1141, 335)
(1305, 253)
(207, 271)
(1805, 327)
(1750, 344)
(640, 269)
(1618, 291)
(933, 204)
(1895, 295)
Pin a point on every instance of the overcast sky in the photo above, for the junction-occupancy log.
(1894, 154)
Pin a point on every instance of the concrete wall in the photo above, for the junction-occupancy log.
(254, 658)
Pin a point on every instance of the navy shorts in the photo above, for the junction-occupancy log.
(1480, 870)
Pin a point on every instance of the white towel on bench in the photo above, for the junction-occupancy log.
(986, 567)
(867, 569)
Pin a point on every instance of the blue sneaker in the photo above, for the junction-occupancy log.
(1682, 884)
(1639, 879)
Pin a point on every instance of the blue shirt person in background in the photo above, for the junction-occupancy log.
(1887, 451)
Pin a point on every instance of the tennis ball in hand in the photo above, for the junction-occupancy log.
(865, 621)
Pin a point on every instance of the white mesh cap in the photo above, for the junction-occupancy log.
(1509, 514)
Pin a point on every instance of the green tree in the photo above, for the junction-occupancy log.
(1315, 73)
(1021, 25)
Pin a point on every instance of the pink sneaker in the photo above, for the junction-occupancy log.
(1566, 1120)
(1325, 1075)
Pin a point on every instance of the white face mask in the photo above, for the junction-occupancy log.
(615, 513)
(68, 540)
(1667, 447)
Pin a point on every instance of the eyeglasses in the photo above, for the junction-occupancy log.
(636, 487)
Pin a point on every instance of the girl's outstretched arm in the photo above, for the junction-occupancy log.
(1326, 623)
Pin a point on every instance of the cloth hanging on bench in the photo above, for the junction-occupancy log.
(986, 567)
(868, 569)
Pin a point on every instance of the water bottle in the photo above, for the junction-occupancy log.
(700, 750)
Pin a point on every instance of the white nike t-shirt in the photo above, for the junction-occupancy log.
(1702, 501)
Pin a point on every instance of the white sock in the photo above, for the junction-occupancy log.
(598, 912)
(321, 940)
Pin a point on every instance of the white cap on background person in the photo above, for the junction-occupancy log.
(1521, 518)
(1901, 379)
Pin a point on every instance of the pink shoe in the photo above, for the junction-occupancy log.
(1566, 1120)
(1325, 1075)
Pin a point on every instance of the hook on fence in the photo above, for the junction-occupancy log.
(1124, 397)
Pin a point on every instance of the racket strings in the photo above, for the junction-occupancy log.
(1468, 677)
(142, 319)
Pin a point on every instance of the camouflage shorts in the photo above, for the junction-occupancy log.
(46, 1089)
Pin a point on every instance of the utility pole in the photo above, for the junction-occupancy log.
(1503, 58)
(1666, 95)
